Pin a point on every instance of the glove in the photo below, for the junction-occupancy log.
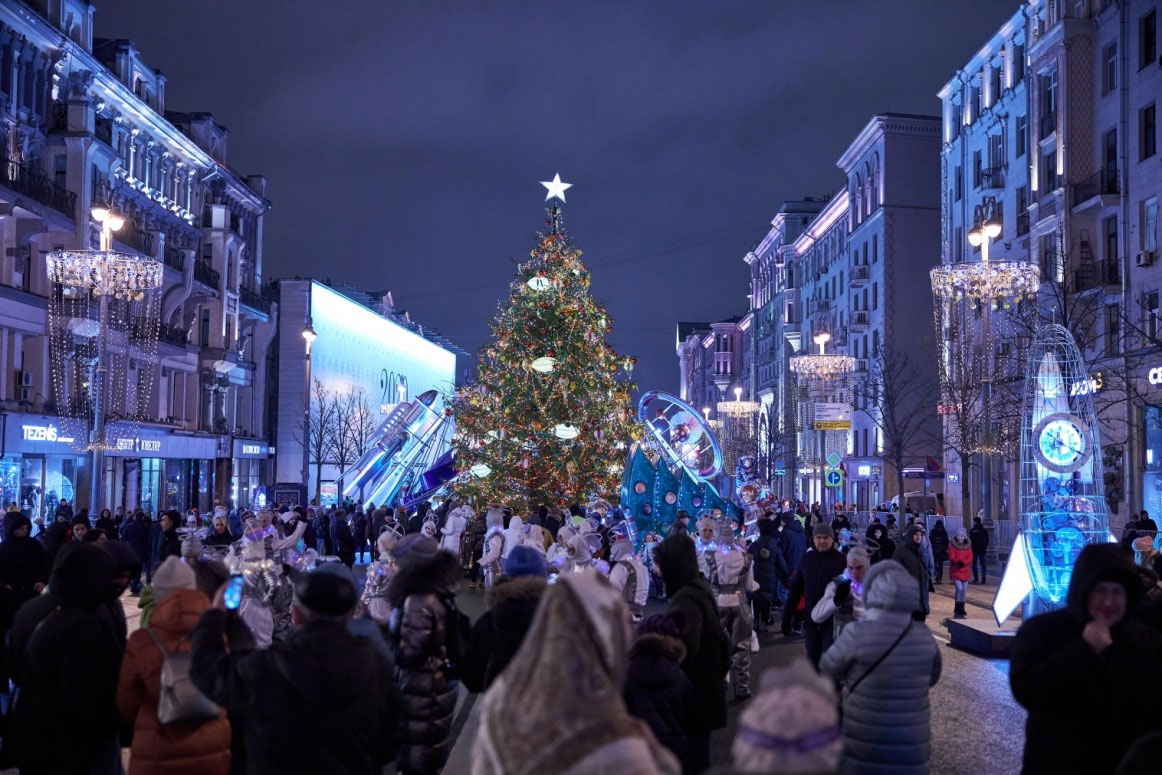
(842, 592)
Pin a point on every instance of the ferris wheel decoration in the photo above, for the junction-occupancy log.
(677, 432)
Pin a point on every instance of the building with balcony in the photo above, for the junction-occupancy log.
(856, 267)
(1062, 99)
(83, 123)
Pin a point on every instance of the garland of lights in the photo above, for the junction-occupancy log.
(129, 289)
(996, 282)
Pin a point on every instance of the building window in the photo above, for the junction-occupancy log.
(875, 248)
(977, 169)
(1048, 96)
(994, 84)
(959, 182)
(205, 332)
(1018, 64)
(1109, 76)
(1110, 228)
(958, 245)
(1150, 224)
(1147, 143)
(1150, 312)
(875, 295)
(1022, 133)
(60, 168)
(1022, 201)
(1147, 39)
(1110, 163)
(1049, 172)
(1113, 328)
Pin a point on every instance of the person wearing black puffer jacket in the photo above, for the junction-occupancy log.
(1088, 674)
(499, 632)
(818, 567)
(705, 663)
(656, 689)
(421, 594)
(770, 572)
(938, 537)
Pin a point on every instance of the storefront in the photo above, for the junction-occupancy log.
(156, 470)
(39, 466)
(1152, 465)
(249, 472)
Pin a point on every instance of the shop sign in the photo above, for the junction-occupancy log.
(47, 433)
(953, 478)
(137, 444)
(863, 471)
(832, 417)
(1155, 375)
(1096, 382)
(329, 493)
(250, 449)
(253, 449)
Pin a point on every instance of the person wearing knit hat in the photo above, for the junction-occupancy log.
(423, 592)
(524, 561)
(170, 575)
(791, 726)
(910, 553)
(842, 601)
(809, 583)
(494, 545)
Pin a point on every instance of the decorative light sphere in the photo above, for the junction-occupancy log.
(480, 470)
(539, 283)
(565, 431)
(544, 364)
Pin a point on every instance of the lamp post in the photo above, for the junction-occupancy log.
(986, 227)
(309, 336)
(110, 221)
(819, 372)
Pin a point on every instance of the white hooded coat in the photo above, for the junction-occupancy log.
(453, 527)
(514, 534)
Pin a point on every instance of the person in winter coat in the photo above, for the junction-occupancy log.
(543, 717)
(810, 581)
(656, 689)
(770, 572)
(323, 681)
(422, 594)
(105, 522)
(23, 568)
(453, 528)
(219, 533)
(55, 536)
(361, 534)
(193, 747)
(938, 538)
(1089, 673)
(909, 554)
(513, 535)
(323, 530)
(681, 525)
(882, 545)
(64, 657)
(979, 537)
(493, 546)
(705, 663)
(629, 576)
(886, 664)
(169, 543)
(472, 549)
(1147, 525)
(840, 523)
(796, 542)
(137, 530)
(342, 538)
(843, 601)
(960, 570)
(499, 632)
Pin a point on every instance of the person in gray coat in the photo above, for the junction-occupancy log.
(886, 663)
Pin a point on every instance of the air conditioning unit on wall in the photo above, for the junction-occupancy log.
(1145, 257)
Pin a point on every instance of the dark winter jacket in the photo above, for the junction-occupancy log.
(938, 537)
(323, 530)
(908, 555)
(658, 692)
(884, 546)
(840, 523)
(214, 538)
(979, 536)
(169, 544)
(137, 536)
(497, 634)
(323, 700)
(107, 525)
(23, 565)
(796, 542)
(54, 536)
(65, 658)
(1085, 709)
(359, 530)
(418, 638)
(886, 723)
(770, 569)
(810, 582)
(676, 560)
(341, 535)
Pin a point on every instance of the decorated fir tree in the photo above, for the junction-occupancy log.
(548, 420)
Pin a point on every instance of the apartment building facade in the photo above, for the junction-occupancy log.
(84, 124)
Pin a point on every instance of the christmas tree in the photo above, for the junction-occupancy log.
(548, 420)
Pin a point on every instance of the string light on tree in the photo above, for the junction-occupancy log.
(551, 382)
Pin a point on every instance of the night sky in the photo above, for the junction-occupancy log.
(403, 142)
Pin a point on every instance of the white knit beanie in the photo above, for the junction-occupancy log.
(170, 575)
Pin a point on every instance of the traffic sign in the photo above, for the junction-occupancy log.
(833, 477)
(834, 459)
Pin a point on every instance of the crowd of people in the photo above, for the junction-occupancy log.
(254, 626)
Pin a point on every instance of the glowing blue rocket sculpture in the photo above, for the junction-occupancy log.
(410, 442)
(1062, 496)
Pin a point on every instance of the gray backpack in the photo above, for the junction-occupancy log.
(179, 700)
